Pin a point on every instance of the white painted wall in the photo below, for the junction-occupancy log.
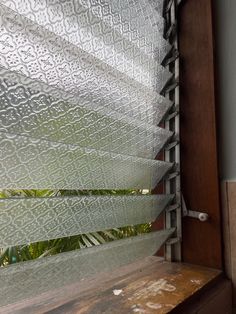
(226, 63)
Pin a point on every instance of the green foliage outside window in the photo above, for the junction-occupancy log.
(46, 248)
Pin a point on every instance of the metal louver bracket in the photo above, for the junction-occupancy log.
(172, 151)
(192, 213)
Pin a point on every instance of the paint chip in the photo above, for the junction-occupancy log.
(196, 281)
(154, 306)
(137, 309)
(153, 288)
(117, 291)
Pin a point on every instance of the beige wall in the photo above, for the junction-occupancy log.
(225, 38)
(229, 230)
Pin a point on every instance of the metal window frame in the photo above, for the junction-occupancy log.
(173, 216)
(199, 160)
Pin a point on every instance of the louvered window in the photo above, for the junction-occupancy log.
(88, 100)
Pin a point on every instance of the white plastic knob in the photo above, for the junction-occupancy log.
(203, 217)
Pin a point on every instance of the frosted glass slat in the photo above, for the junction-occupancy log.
(26, 111)
(28, 163)
(28, 220)
(158, 5)
(37, 52)
(116, 25)
(146, 112)
(137, 22)
(94, 18)
(27, 279)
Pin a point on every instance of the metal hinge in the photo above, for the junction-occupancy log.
(173, 241)
(194, 214)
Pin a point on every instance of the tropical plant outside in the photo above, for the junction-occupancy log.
(31, 251)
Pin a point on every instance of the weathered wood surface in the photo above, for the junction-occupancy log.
(199, 164)
(147, 286)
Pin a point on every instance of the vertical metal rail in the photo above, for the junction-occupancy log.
(173, 216)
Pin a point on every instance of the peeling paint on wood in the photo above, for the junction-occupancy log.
(146, 287)
(151, 288)
(117, 291)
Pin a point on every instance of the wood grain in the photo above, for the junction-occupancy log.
(199, 165)
(149, 286)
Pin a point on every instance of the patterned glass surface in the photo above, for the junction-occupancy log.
(27, 279)
(79, 94)
(28, 109)
(29, 220)
(29, 163)
(80, 107)
(94, 27)
(40, 53)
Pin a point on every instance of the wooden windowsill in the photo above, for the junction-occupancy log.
(148, 286)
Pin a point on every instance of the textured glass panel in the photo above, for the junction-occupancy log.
(51, 60)
(27, 111)
(157, 5)
(136, 21)
(37, 219)
(143, 112)
(132, 19)
(79, 105)
(38, 52)
(92, 26)
(39, 164)
(27, 279)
